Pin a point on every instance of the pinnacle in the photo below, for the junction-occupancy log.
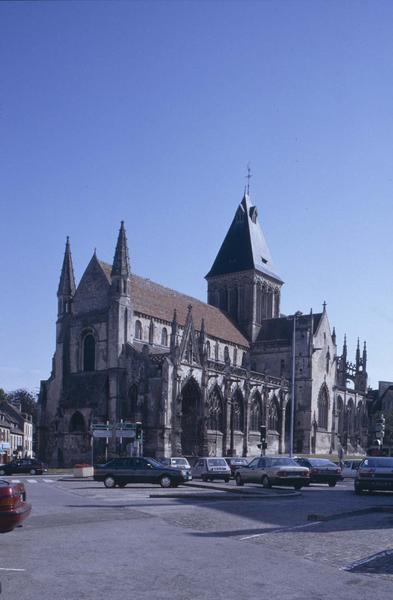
(121, 262)
(67, 279)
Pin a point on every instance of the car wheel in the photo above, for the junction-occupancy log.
(33, 471)
(2, 471)
(226, 479)
(122, 485)
(109, 481)
(266, 483)
(332, 483)
(307, 483)
(165, 481)
(204, 478)
(298, 486)
(238, 480)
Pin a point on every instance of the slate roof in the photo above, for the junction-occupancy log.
(157, 301)
(281, 329)
(244, 247)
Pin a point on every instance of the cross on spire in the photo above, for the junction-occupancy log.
(248, 177)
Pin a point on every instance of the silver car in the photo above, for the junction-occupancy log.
(271, 471)
(374, 473)
(211, 468)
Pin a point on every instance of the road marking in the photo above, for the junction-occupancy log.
(32, 481)
(280, 530)
(9, 569)
(15, 480)
(49, 480)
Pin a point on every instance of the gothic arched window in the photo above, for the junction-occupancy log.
(323, 407)
(238, 411)
(273, 416)
(138, 330)
(256, 413)
(77, 423)
(89, 353)
(208, 349)
(164, 337)
(340, 415)
(216, 417)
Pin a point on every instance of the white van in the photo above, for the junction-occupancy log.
(211, 468)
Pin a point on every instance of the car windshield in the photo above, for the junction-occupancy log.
(381, 462)
(238, 461)
(283, 462)
(321, 462)
(217, 462)
(179, 461)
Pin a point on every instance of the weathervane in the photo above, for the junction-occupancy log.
(248, 177)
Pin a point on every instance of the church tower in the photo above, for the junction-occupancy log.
(242, 280)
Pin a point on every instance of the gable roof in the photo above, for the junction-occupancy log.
(157, 301)
(244, 247)
(281, 329)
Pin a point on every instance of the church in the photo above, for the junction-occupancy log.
(200, 377)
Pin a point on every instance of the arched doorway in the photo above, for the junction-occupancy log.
(190, 421)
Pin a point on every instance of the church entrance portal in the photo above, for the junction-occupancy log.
(190, 421)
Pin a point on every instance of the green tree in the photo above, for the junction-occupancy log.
(25, 399)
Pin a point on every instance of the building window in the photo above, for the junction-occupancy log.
(208, 349)
(164, 337)
(256, 413)
(273, 416)
(216, 420)
(77, 423)
(216, 347)
(89, 353)
(237, 411)
(323, 407)
(138, 330)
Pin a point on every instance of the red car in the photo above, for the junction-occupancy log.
(13, 506)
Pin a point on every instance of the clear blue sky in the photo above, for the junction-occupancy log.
(150, 111)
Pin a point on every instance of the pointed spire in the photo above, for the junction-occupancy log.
(67, 279)
(202, 327)
(121, 261)
(345, 350)
(364, 356)
(324, 306)
(334, 336)
(244, 247)
(358, 354)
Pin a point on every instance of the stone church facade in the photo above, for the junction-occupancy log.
(201, 377)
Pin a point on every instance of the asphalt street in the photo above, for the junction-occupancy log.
(84, 541)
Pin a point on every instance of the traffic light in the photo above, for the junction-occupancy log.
(380, 428)
(263, 430)
(138, 431)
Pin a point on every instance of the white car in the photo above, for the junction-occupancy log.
(211, 468)
(350, 468)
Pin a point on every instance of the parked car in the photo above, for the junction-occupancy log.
(374, 473)
(322, 470)
(23, 465)
(271, 471)
(235, 462)
(177, 462)
(210, 468)
(120, 471)
(13, 506)
(350, 468)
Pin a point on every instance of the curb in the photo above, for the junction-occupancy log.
(238, 490)
(351, 513)
(222, 497)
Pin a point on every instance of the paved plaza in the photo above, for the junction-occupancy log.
(85, 541)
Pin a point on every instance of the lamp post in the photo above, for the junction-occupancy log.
(292, 419)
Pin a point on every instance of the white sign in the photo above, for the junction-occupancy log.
(102, 433)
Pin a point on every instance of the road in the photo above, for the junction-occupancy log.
(83, 541)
